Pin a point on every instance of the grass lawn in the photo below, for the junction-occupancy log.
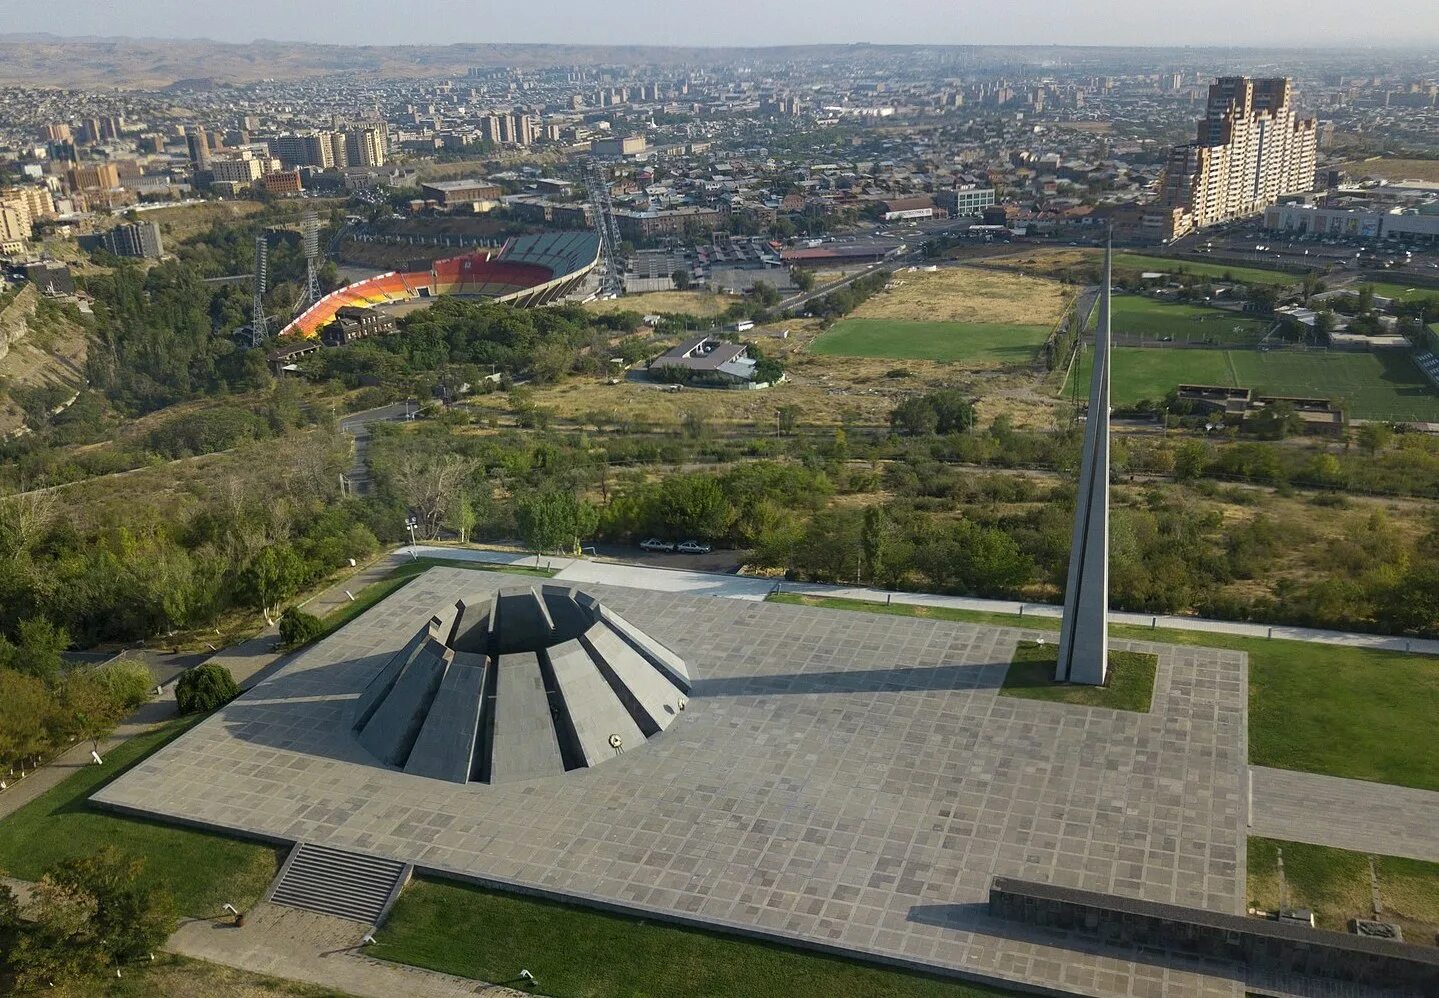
(1342, 711)
(1222, 271)
(1136, 315)
(1401, 292)
(1384, 385)
(202, 870)
(1128, 686)
(580, 953)
(898, 339)
(1336, 885)
(1138, 373)
(172, 976)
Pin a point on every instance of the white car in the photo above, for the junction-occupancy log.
(655, 544)
(693, 547)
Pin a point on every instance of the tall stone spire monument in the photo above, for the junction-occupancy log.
(1084, 639)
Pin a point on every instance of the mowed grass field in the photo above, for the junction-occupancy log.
(980, 342)
(1399, 292)
(1383, 385)
(1135, 315)
(1056, 262)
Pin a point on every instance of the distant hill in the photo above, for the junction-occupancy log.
(154, 63)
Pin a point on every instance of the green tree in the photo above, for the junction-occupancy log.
(1189, 460)
(204, 688)
(765, 293)
(299, 628)
(914, 417)
(133, 916)
(37, 648)
(682, 279)
(94, 711)
(553, 520)
(275, 574)
(694, 506)
(1375, 437)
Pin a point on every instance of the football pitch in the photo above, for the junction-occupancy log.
(995, 343)
(1178, 322)
(1383, 385)
(1219, 271)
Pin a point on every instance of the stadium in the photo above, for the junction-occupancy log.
(527, 271)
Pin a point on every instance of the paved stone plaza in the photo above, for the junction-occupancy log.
(845, 779)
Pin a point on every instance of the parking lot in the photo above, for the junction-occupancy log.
(721, 560)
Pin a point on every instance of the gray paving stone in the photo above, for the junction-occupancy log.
(837, 778)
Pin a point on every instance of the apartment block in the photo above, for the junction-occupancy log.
(1250, 150)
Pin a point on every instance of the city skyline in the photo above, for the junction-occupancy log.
(750, 23)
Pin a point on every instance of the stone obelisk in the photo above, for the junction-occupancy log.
(1084, 639)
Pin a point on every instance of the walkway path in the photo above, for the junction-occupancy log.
(249, 662)
(1347, 814)
(742, 587)
(77, 757)
(320, 949)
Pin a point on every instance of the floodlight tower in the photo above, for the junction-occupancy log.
(259, 327)
(603, 210)
(310, 242)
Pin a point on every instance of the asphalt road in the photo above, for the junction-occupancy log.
(718, 561)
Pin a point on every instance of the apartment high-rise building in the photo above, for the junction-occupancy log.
(197, 143)
(1250, 150)
(137, 239)
(306, 150)
(365, 147)
(339, 150)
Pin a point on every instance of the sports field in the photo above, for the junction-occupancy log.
(1223, 271)
(979, 342)
(1135, 315)
(1384, 385)
(1056, 262)
(1399, 292)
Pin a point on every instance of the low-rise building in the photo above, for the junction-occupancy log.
(704, 359)
(449, 193)
(351, 324)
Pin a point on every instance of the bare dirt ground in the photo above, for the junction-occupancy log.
(52, 355)
(1396, 169)
(192, 219)
(967, 294)
(700, 303)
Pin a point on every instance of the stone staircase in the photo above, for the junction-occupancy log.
(344, 884)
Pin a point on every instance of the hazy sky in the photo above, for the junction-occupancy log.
(748, 22)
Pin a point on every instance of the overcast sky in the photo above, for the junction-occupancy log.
(748, 22)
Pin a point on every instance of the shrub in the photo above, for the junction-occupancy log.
(127, 681)
(299, 628)
(205, 688)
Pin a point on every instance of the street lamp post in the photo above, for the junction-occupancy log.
(411, 523)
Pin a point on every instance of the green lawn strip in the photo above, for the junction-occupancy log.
(1384, 385)
(1360, 713)
(1129, 685)
(1222, 271)
(1399, 292)
(1138, 373)
(581, 953)
(898, 339)
(1336, 885)
(1136, 315)
(202, 870)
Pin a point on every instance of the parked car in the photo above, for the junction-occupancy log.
(655, 544)
(693, 547)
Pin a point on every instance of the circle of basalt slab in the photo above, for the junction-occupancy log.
(518, 685)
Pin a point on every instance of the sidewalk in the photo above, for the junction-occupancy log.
(319, 949)
(77, 756)
(744, 587)
(249, 662)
